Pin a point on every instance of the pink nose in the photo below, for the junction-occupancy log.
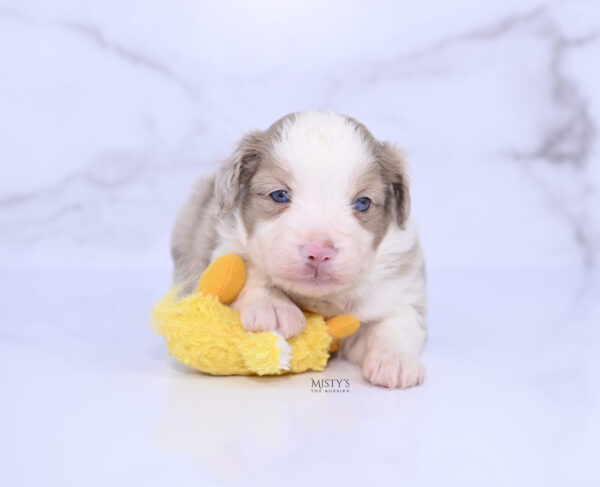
(317, 254)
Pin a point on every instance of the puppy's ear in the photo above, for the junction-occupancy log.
(237, 169)
(393, 165)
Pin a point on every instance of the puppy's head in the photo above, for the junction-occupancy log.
(316, 193)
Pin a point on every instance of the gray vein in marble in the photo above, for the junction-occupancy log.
(577, 220)
(96, 36)
(571, 139)
(578, 131)
(491, 32)
(87, 176)
(131, 168)
(99, 39)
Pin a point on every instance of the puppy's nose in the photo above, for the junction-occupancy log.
(317, 254)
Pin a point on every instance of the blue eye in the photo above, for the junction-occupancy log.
(362, 204)
(280, 196)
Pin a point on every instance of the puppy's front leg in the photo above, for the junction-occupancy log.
(265, 308)
(389, 350)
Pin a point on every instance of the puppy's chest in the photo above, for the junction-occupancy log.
(328, 307)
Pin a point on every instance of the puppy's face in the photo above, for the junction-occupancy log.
(316, 194)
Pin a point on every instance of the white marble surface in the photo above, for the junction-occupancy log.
(109, 110)
(512, 395)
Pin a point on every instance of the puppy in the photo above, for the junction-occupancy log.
(319, 210)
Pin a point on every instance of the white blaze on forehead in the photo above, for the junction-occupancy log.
(325, 153)
(324, 161)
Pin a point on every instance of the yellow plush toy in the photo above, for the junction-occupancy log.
(201, 331)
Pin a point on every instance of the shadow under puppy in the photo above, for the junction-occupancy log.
(319, 210)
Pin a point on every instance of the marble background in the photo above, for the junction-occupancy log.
(109, 110)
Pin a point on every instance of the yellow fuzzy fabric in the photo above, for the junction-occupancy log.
(205, 334)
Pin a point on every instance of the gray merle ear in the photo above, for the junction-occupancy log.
(238, 168)
(394, 170)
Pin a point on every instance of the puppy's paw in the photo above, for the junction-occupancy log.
(388, 369)
(273, 315)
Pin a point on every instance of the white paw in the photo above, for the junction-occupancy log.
(273, 315)
(388, 369)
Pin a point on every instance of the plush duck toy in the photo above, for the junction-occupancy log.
(201, 331)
